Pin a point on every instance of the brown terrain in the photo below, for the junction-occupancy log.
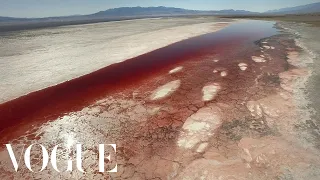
(226, 112)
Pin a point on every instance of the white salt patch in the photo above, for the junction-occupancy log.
(202, 147)
(219, 69)
(243, 66)
(166, 90)
(189, 142)
(154, 110)
(262, 56)
(70, 141)
(264, 42)
(210, 91)
(254, 108)
(198, 128)
(175, 70)
(272, 47)
(216, 60)
(266, 47)
(224, 73)
(258, 59)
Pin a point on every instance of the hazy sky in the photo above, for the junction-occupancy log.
(45, 8)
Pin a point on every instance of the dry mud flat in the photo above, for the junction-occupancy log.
(226, 114)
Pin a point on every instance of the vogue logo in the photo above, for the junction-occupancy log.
(53, 158)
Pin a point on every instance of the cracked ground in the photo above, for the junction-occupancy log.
(225, 112)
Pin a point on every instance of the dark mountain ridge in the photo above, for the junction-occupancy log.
(130, 12)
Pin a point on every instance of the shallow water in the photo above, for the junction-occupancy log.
(237, 38)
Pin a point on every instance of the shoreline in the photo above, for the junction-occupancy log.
(101, 56)
(306, 85)
(72, 95)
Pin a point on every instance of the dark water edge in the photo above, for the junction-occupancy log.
(75, 94)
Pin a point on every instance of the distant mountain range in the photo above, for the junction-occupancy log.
(161, 10)
(141, 12)
(130, 12)
(305, 9)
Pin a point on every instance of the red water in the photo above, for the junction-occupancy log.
(73, 95)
